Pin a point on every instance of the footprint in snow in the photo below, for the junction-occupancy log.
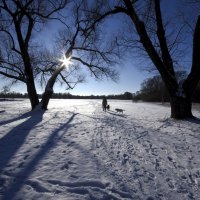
(170, 158)
(20, 165)
(37, 186)
(65, 166)
(68, 165)
(125, 159)
(170, 183)
(26, 156)
(157, 164)
(150, 198)
(71, 143)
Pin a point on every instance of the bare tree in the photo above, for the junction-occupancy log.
(5, 90)
(19, 20)
(152, 37)
(81, 50)
(22, 59)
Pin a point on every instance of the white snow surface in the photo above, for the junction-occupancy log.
(75, 151)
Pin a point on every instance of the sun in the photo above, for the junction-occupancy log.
(65, 61)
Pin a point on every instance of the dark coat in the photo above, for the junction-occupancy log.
(104, 102)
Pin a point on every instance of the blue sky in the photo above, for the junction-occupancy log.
(130, 79)
(131, 76)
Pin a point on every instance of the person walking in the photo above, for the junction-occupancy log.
(104, 103)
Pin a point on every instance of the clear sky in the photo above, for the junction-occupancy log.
(131, 75)
(130, 79)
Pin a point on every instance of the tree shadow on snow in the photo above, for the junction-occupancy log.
(22, 176)
(11, 99)
(25, 115)
(13, 140)
(194, 120)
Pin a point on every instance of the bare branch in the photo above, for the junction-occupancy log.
(69, 83)
(12, 76)
(167, 60)
(194, 76)
(12, 39)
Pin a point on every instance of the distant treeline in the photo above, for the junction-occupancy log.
(125, 96)
(154, 90)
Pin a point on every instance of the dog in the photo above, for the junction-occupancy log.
(108, 107)
(118, 110)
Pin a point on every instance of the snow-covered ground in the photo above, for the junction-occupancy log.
(75, 151)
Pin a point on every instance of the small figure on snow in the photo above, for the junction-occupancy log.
(104, 103)
(108, 107)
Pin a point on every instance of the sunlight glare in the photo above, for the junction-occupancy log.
(65, 61)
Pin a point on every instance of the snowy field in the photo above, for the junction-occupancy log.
(75, 151)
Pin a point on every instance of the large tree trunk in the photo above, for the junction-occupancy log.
(181, 107)
(31, 90)
(49, 88)
(32, 94)
(46, 97)
(23, 40)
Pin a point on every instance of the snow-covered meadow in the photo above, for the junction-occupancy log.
(75, 151)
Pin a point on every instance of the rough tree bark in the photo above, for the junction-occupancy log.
(19, 20)
(180, 94)
(181, 107)
(23, 44)
(49, 88)
(31, 90)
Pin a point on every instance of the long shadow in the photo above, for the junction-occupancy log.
(11, 100)
(23, 175)
(13, 140)
(194, 120)
(25, 115)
